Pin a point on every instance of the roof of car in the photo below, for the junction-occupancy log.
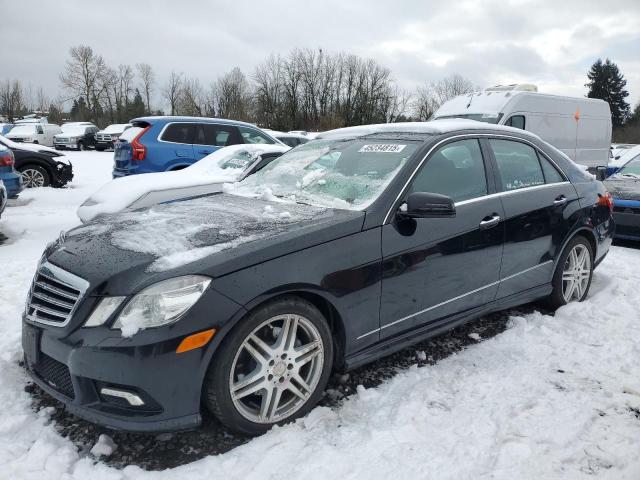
(177, 118)
(434, 127)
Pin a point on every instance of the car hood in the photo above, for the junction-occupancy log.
(216, 235)
(623, 188)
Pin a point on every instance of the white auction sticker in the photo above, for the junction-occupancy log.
(382, 148)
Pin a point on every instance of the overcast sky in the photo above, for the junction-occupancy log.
(549, 43)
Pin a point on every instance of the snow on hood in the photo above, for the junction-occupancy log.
(120, 193)
(180, 233)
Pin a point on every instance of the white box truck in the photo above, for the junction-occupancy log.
(580, 127)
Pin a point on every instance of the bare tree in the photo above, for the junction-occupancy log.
(11, 100)
(430, 97)
(171, 91)
(147, 77)
(231, 96)
(84, 76)
(191, 100)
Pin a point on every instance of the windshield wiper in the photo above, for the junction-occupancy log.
(631, 175)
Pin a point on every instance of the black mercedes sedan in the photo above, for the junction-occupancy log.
(624, 187)
(39, 166)
(345, 249)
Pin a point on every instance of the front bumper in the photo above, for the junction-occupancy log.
(64, 174)
(73, 365)
(627, 225)
(104, 144)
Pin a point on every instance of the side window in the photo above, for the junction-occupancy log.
(551, 174)
(179, 133)
(456, 170)
(39, 130)
(251, 135)
(518, 164)
(517, 121)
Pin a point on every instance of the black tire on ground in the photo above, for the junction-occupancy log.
(557, 299)
(216, 393)
(81, 147)
(30, 171)
(36, 142)
(100, 149)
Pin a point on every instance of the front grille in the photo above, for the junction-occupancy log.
(54, 295)
(103, 137)
(56, 374)
(61, 140)
(632, 210)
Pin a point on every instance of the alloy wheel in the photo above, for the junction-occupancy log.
(32, 178)
(276, 369)
(576, 273)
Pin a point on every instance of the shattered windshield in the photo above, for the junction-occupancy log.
(339, 173)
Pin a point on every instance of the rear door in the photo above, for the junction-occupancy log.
(209, 137)
(436, 267)
(178, 138)
(538, 203)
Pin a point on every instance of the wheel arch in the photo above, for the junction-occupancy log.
(582, 231)
(36, 161)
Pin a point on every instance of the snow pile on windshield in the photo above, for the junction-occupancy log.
(345, 173)
(224, 165)
(184, 232)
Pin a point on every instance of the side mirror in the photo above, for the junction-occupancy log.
(601, 172)
(428, 205)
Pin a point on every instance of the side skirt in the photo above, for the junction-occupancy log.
(403, 340)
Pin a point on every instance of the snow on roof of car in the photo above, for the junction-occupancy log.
(26, 146)
(179, 118)
(434, 127)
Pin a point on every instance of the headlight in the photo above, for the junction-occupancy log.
(103, 311)
(161, 304)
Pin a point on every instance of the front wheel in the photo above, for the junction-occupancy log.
(572, 278)
(272, 368)
(81, 147)
(34, 176)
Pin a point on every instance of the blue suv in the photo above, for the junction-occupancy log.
(12, 180)
(160, 144)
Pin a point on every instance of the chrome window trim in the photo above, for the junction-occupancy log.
(473, 135)
(492, 284)
(61, 276)
(510, 192)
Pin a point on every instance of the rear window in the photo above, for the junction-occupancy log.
(179, 133)
(130, 133)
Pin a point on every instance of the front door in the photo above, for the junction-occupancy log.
(436, 267)
(537, 202)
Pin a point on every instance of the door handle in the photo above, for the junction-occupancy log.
(488, 222)
(560, 201)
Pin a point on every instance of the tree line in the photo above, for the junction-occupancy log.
(305, 89)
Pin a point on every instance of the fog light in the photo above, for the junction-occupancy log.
(133, 399)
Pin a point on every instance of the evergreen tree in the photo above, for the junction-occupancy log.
(635, 116)
(136, 107)
(607, 83)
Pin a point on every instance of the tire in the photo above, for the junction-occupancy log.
(81, 147)
(572, 271)
(34, 176)
(284, 388)
(100, 149)
(36, 142)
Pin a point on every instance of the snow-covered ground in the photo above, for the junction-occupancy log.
(551, 397)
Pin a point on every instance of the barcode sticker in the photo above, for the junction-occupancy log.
(382, 148)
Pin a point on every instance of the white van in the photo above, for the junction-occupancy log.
(32, 132)
(580, 127)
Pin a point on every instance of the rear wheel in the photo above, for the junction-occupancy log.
(572, 278)
(34, 176)
(272, 368)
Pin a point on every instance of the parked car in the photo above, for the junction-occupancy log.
(624, 186)
(76, 136)
(5, 128)
(10, 178)
(160, 144)
(622, 158)
(290, 139)
(204, 177)
(39, 166)
(3, 197)
(343, 250)
(106, 138)
(579, 127)
(618, 149)
(34, 132)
